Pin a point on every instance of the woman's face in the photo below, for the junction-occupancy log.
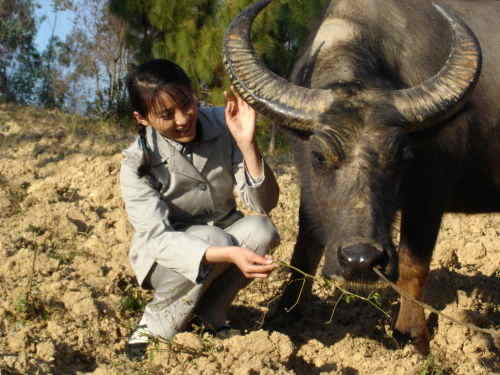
(174, 119)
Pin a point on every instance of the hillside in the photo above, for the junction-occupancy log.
(69, 300)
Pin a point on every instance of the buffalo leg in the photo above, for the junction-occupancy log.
(421, 219)
(306, 256)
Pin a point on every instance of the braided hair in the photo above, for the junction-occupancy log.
(145, 166)
(144, 84)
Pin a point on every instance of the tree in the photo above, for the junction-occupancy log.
(98, 59)
(26, 75)
(170, 29)
(53, 87)
(19, 59)
(191, 32)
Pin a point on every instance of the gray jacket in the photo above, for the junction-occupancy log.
(180, 193)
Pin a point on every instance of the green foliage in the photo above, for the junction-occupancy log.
(348, 298)
(52, 90)
(132, 303)
(85, 72)
(19, 59)
(31, 308)
(93, 61)
(26, 75)
(375, 298)
(264, 137)
(191, 33)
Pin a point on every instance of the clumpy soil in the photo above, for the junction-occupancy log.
(68, 298)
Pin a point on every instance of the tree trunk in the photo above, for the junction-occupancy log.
(272, 141)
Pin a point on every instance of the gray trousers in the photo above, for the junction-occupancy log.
(176, 297)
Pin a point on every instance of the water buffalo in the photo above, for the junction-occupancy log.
(392, 106)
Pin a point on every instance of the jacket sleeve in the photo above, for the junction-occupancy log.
(262, 195)
(148, 215)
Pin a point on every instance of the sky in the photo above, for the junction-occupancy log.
(63, 23)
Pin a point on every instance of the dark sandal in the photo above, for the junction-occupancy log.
(136, 352)
(223, 332)
(226, 331)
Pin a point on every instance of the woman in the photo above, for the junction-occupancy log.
(191, 245)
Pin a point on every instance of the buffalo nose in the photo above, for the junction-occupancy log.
(360, 258)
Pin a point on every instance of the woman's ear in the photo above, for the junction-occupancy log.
(140, 120)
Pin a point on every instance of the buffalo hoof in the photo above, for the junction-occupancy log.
(411, 327)
(420, 343)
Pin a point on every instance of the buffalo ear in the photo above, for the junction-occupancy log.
(303, 135)
(386, 113)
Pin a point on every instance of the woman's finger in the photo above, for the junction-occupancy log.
(260, 269)
(243, 104)
(256, 275)
(259, 259)
(231, 102)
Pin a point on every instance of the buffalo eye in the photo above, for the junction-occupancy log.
(318, 159)
(407, 154)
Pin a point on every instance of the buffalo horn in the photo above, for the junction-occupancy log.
(294, 106)
(442, 95)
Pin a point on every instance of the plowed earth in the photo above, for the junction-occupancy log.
(68, 298)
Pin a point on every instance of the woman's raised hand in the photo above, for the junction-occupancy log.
(240, 119)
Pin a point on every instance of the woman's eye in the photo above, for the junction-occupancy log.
(167, 115)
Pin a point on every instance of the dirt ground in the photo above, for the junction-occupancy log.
(68, 298)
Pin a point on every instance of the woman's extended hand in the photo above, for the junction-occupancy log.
(252, 265)
(240, 119)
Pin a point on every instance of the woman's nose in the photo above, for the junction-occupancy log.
(181, 118)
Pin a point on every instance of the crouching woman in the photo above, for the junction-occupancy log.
(191, 245)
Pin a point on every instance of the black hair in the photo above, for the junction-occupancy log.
(144, 84)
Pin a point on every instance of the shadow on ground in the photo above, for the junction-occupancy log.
(314, 320)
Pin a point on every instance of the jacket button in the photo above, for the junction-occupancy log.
(203, 187)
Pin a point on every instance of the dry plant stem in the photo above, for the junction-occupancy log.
(331, 284)
(288, 309)
(335, 308)
(30, 280)
(494, 333)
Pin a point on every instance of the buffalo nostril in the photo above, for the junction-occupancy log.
(360, 258)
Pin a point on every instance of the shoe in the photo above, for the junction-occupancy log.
(138, 342)
(225, 331)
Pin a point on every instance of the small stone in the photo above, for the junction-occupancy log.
(189, 340)
(46, 351)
